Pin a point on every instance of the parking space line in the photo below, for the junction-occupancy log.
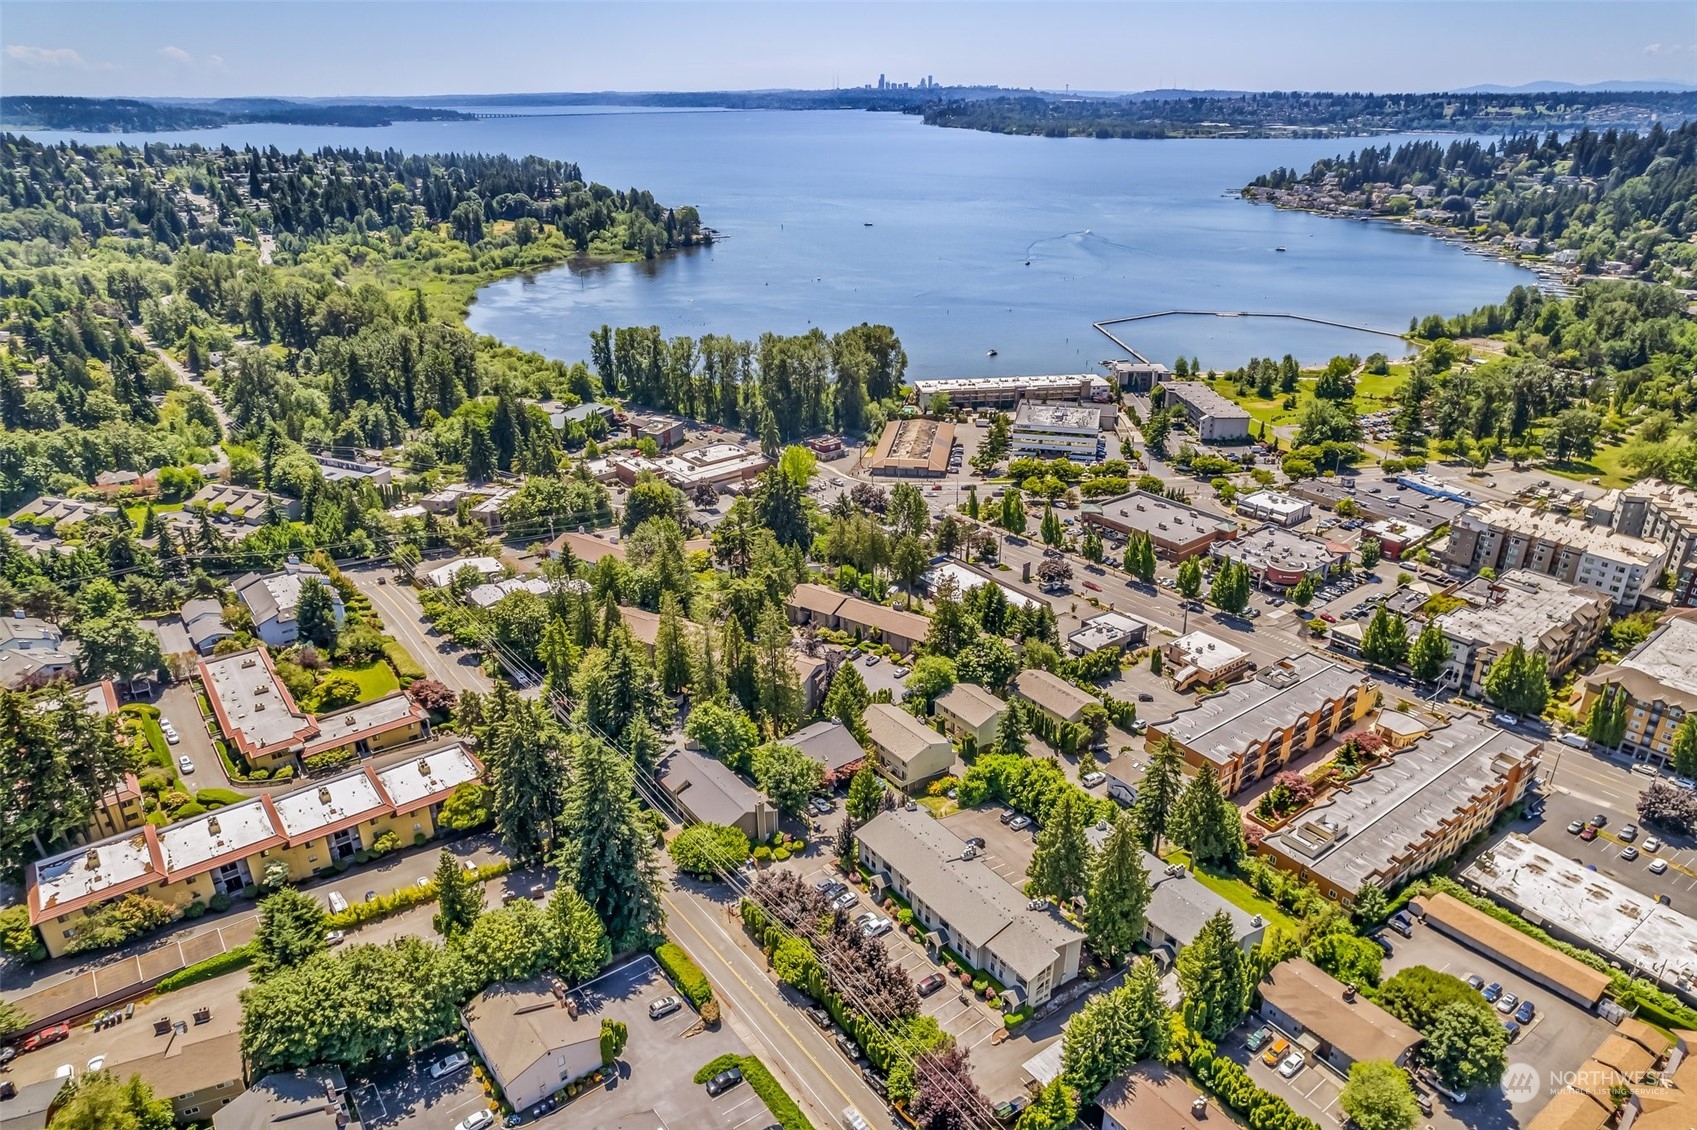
(747, 1096)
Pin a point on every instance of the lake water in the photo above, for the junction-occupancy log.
(963, 241)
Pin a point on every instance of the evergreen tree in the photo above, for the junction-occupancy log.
(1118, 895)
(1190, 578)
(1013, 512)
(1230, 590)
(671, 648)
(1060, 865)
(1207, 824)
(577, 944)
(291, 929)
(606, 850)
(1055, 1108)
(459, 897)
(1051, 530)
(1370, 551)
(1302, 593)
(1140, 559)
(1682, 754)
(1091, 544)
(1426, 658)
(1214, 976)
(848, 699)
(1158, 795)
(99, 1100)
(1519, 681)
(1114, 1030)
(1011, 730)
(1606, 724)
(1384, 642)
(525, 766)
(865, 794)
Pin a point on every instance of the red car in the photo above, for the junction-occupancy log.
(1093, 585)
(1589, 832)
(1328, 618)
(46, 1036)
(931, 984)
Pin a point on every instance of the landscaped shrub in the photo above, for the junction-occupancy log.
(215, 798)
(192, 808)
(194, 909)
(219, 902)
(717, 1064)
(780, 854)
(762, 854)
(216, 966)
(685, 974)
(386, 843)
(710, 1014)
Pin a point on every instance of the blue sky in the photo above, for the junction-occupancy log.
(251, 47)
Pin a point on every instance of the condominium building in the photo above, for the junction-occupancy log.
(1666, 513)
(910, 752)
(1254, 728)
(1503, 536)
(1024, 944)
(272, 599)
(1051, 431)
(1659, 679)
(1005, 392)
(1402, 818)
(1215, 418)
(913, 447)
(1559, 621)
(1138, 376)
(968, 711)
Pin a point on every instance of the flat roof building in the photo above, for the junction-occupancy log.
(1201, 658)
(1276, 507)
(1177, 531)
(1110, 629)
(1380, 499)
(967, 578)
(1559, 621)
(1005, 392)
(1025, 945)
(337, 470)
(1503, 537)
(1404, 817)
(1050, 431)
(1278, 558)
(1589, 909)
(1667, 513)
(1216, 419)
(254, 709)
(1138, 376)
(442, 576)
(913, 446)
(1659, 678)
(1254, 728)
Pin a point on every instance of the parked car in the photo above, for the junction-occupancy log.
(931, 984)
(1576, 827)
(1629, 853)
(1007, 816)
(46, 1036)
(724, 1081)
(1588, 833)
(1628, 833)
(1525, 1012)
(1475, 982)
(1505, 719)
(1093, 778)
(820, 1017)
(1258, 1037)
(170, 732)
(664, 1007)
(1291, 1065)
(185, 764)
(1383, 943)
(1020, 823)
(1658, 866)
(338, 903)
(1511, 1030)
(873, 659)
(1010, 1110)
(1276, 1052)
(1506, 1003)
(1145, 696)
(1491, 992)
(876, 927)
(477, 1120)
(975, 841)
(1601, 820)
(335, 937)
(1402, 924)
(449, 1064)
(844, 900)
(1651, 844)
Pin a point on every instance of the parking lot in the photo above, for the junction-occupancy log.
(1564, 805)
(405, 1097)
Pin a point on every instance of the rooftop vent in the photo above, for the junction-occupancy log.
(212, 826)
(1035, 904)
(323, 795)
(423, 767)
(92, 860)
(249, 661)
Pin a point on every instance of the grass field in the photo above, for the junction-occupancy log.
(1236, 892)
(1605, 464)
(1372, 393)
(137, 512)
(375, 679)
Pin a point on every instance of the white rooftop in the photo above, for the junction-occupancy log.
(327, 802)
(339, 726)
(441, 576)
(231, 832)
(929, 387)
(968, 579)
(486, 596)
(1669, 655)
(1199, 649)
(63, 879)
(252, 699)
(409, 782)
(1272, 502)
(1033, 415)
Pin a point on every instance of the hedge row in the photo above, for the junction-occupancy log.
(1231, 1084)
(717, 1064)
(772, 1093)
(361, 913)
(406, 667)
(216, 966)
(685, 974)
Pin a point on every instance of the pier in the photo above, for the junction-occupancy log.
(1103, 325)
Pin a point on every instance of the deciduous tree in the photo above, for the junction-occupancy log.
(1379, 1096)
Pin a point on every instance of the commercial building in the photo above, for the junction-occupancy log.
(1559, 621)
(1005, 392)
(1275, 507)
(1110, 629)
(966, 578)
(1254, 728)
(1278, 558)
(273, 598)
(910, 752)
(1659, 679)
(1057, 431)
(828, 608)
(228, 850)
(710, 792)
(314, 1098)
(1053, 695)
(1634, 930)
(1176, 530)
(1435, 487)
(352, 470)
(666, 431)
(1199, 658)
(1544, 966)
(534, 1038)
(1330, 1020)
(833, 746)
(1395, 537)
(1504, 536)
(970, 713)
(441, 576)
(1216, 419)
(203, 621)
(1138, 376)
(913, 446)
(1381, 500)
(1149, 1095)
(1666, 513)
(964, 905)
(718, 465)
(1402, 818)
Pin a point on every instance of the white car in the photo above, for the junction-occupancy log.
(449, 1064)
(1092, 779)
(479, 1120)
(170, 732)
(872, 660)
(1292, 1064)
(185, 764)
(876, 927)
(1658, 867)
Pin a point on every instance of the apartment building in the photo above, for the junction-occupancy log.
(1254, 728)
(1053, 695)
(1402, 818)
(1216, 419)
(1659, 679)
(1504, 536)
(828, 608)
(1559, 621)
(1199, 658)
(1005, 392)
(272, 599)
(1058, 431)
(227, 851)
(1025, 944)
(910, 752)
(1330, 1019)
(1666, 513)
(969, 712)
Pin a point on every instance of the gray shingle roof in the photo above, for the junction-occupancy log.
(897, 733)
(828, 743)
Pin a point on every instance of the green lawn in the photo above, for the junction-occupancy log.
(1236, 892)
(137, 512)
(1372, 393)
(1605, 464)
(375, 679)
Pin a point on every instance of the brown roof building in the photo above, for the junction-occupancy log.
(1148, 1095)
(913, 447)
(1524, 954)
(1319, 1013)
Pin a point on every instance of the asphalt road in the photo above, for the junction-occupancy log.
(446, 661)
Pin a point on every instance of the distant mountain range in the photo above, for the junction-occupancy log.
(1614, 87)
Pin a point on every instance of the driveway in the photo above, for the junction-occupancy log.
(444, 660)
(178, 704)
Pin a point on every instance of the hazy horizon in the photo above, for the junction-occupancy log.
(391, 48)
